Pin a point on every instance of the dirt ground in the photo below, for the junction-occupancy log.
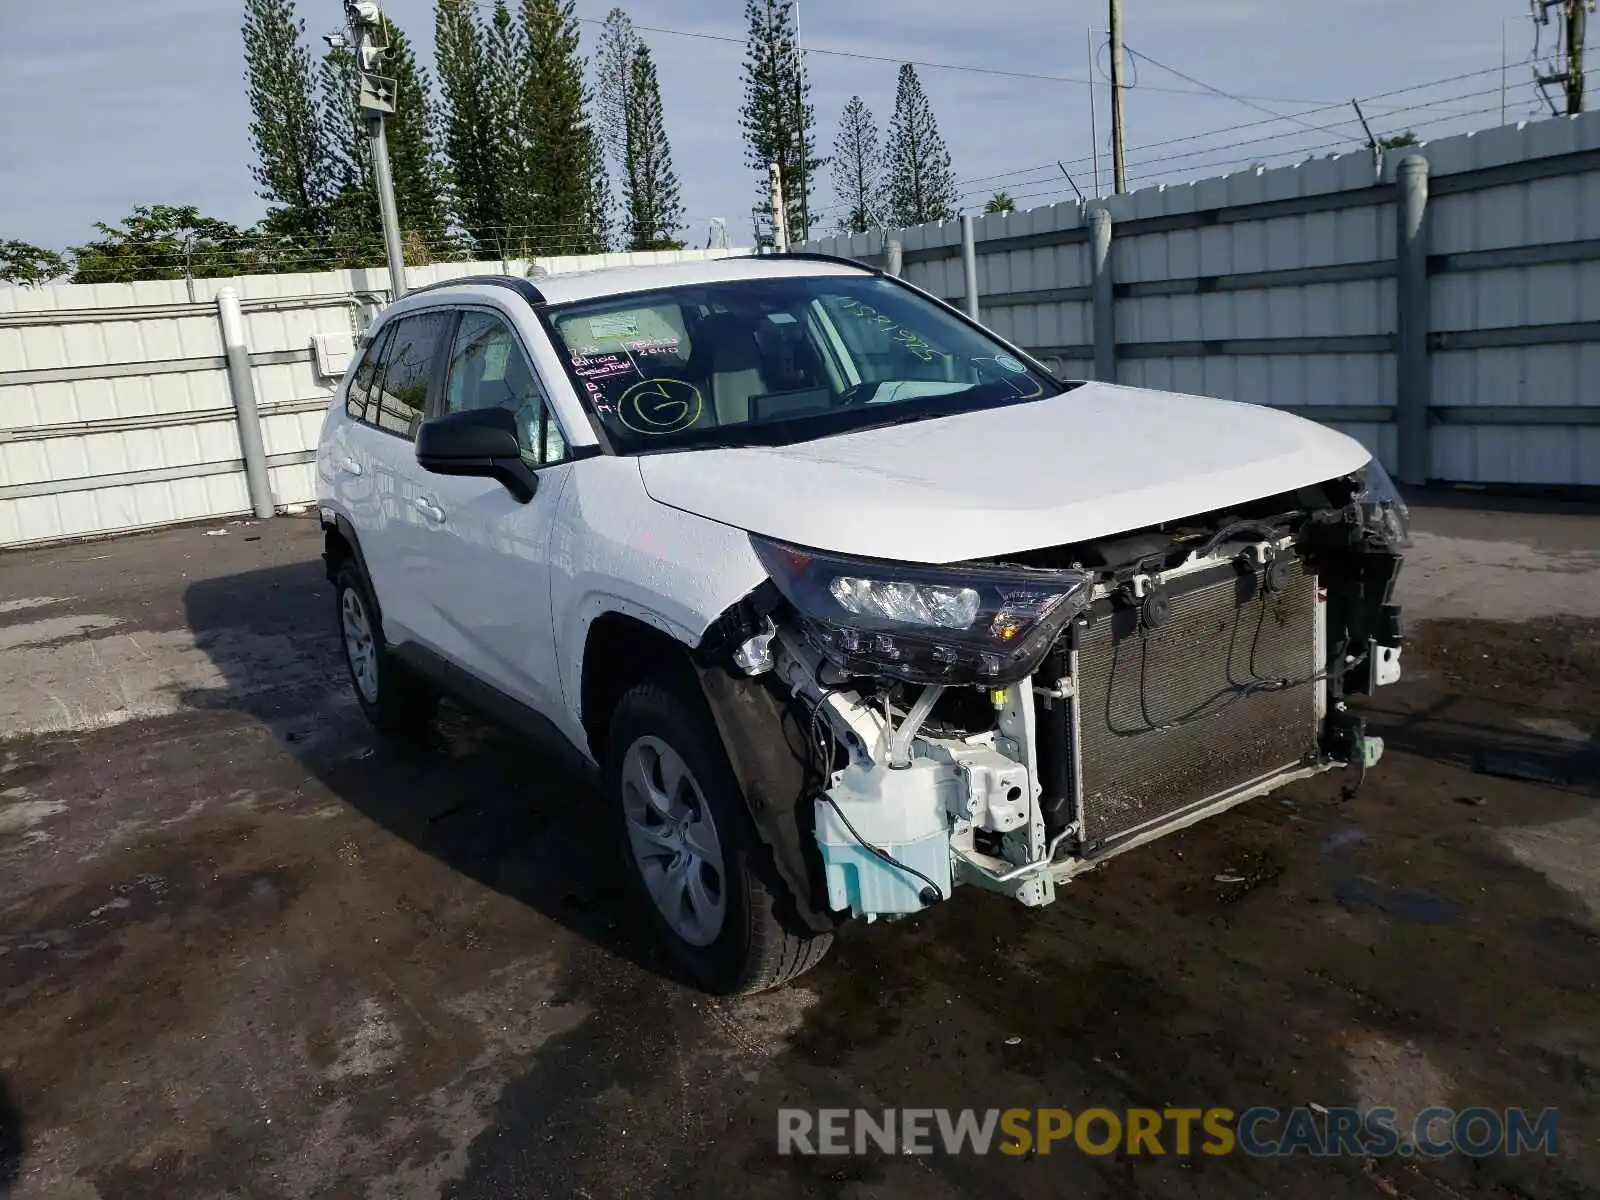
(247, 950)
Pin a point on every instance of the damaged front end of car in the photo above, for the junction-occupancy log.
(1015, 721)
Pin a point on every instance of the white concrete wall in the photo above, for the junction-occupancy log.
(1345, 220)
(1559, 209)
(115, 412)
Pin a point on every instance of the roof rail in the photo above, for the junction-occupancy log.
(523, 287)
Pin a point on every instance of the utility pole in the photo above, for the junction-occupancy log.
(1094, 136)
(1503, 71)
(1119, 168)
(1577, 19)
(377, 100)
(800, 122)
(1574, 20)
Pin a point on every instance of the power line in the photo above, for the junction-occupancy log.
(1273, 137)
(731, 39)
(1306, 152)
(1310, 151)
(1050, 167)
(1050, 170)
(1247, 102)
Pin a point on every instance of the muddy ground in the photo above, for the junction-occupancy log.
(248, 950)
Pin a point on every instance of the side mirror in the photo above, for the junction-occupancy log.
(480, 441)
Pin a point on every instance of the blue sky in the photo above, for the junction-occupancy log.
(105, 104)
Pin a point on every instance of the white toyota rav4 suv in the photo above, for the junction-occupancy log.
(845, 600)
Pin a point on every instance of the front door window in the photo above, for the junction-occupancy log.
(489, 370)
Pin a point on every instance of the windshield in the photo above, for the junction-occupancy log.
(778, 360)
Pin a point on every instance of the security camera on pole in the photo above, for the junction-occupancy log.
(377, 100)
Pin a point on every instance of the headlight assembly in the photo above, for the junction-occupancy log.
(1380, 501)
(923, 624)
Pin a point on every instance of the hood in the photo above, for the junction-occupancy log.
(1098, 460)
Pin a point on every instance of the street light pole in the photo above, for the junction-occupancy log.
(376, 100)
(388, 211)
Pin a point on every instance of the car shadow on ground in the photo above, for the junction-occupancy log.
(471, 795)
(1500, 700)
(1309, 947)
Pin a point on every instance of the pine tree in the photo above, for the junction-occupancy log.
(777, 116)
(613, 75)
(921, 186)
(467, 123)
(508, 148)
(291, 167)
(858, 168)
(650, 184)
(561, 171)
(600, 221)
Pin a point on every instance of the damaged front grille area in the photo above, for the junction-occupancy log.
(1186, 668)
(1212, 687)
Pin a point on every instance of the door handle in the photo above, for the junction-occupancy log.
(426, 506)
(350, 466)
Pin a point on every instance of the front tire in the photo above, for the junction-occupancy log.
(691, 849)
(393, 699)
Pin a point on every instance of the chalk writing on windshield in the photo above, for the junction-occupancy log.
(660, 406)
(602, 366)
(910, 339)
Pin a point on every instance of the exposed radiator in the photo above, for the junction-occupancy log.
(1172, 716)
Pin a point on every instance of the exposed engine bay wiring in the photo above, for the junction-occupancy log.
(1270, 533)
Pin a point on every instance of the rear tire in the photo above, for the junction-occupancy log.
(691, 849)
(394, 699)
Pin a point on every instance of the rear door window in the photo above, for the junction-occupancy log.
(398, 398)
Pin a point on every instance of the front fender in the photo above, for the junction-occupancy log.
(615, 550)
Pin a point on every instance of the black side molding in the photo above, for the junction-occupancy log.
(341, 524)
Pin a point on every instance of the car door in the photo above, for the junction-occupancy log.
(486, 578)
(398, 514)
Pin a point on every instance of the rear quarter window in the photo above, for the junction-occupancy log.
(408, 364)
(360, 390)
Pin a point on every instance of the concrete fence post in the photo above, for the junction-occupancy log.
(1413, 371)
(241, 382)
(969, 264)
(894, 257)
(1104, 300)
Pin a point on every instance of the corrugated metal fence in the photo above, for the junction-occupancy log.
(1463, 321)
(115, 407)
